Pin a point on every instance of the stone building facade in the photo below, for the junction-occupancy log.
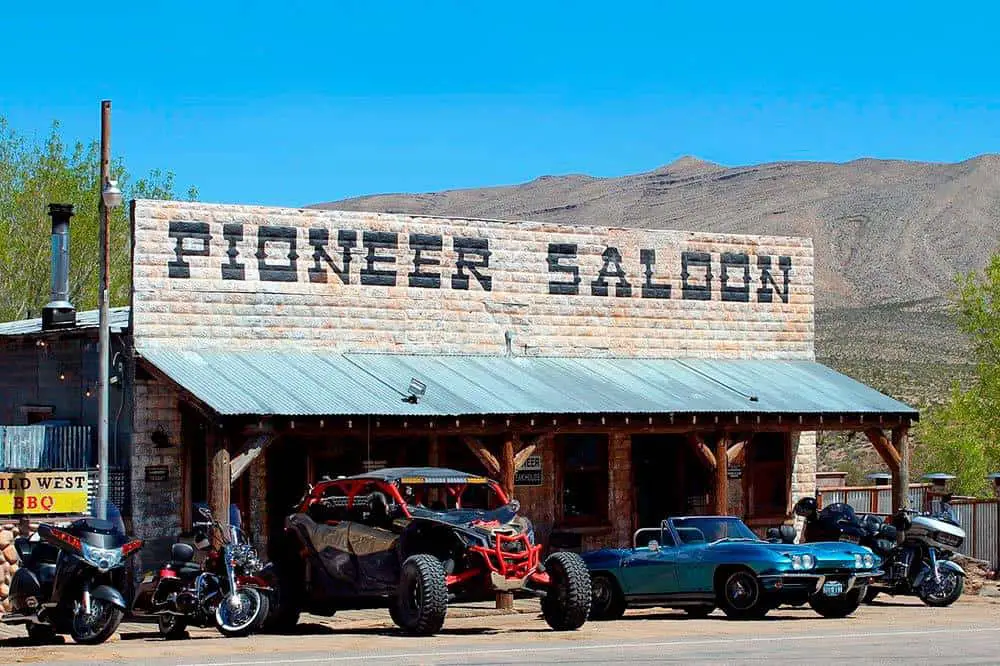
(242, 278)
(271, 344)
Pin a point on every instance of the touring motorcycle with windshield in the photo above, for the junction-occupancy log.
(224, 591)
(73, 580)
(916, 548)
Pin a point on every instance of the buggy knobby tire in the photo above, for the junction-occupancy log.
(421, 602)
(567, 599)
(607, 600)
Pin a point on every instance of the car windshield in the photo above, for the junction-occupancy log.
(698, 530)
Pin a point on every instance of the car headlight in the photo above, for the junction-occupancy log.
(859, 561)
(803, 561)
(102, 558)
(869, 560)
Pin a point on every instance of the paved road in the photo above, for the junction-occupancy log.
(967, 633)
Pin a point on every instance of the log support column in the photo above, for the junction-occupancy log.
(219, 483)
(721, 475)
(901, 477)
(895, 452)
(505, 600)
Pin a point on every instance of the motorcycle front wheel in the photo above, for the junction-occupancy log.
(944, 593)
(98, 625)
(241, 613)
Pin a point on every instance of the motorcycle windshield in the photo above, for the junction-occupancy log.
(109, 533)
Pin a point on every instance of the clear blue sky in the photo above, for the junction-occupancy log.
(292, 103)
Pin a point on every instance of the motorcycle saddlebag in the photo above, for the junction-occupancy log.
(24, 586)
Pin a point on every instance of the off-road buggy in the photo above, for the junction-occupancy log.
(412, 540)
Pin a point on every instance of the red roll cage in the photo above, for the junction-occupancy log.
(354, 486)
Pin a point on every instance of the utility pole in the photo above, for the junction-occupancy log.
(105, 331)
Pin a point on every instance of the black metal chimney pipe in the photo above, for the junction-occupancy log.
(59, 313)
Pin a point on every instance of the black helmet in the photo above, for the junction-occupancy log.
(805, 507)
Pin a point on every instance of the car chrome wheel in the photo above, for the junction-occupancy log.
(607, 601)
(742, 591)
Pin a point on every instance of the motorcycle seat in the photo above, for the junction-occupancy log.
(185, 569)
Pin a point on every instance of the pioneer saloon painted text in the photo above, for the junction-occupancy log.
(391, 259)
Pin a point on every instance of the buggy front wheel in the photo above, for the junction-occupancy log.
(567, 600)
(421, 603)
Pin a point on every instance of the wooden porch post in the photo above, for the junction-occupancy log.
(901, 475)
(219, 482)
(721, 475)
(505, 600)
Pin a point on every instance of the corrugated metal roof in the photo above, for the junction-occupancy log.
(118, 321)
(315, 383)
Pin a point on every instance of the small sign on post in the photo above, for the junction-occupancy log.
(157, 473)
(530, 473)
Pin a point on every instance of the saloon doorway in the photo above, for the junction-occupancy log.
(668, 479)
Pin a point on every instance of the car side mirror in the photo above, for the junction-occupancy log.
(654, 545)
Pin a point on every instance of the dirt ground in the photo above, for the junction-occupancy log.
(358, 631)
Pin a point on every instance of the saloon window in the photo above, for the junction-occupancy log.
(585, 479)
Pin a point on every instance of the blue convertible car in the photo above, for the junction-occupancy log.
(700, 563)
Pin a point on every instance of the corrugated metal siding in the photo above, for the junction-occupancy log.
(117, 322)
(979, 520)
(316, 383)
(46, 447)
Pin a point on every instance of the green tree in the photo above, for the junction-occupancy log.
(962, 436)
(34, 174)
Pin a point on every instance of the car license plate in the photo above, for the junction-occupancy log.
(833, 589)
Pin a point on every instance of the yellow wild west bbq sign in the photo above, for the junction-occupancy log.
(33, 493)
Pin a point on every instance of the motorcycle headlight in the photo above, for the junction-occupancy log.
(869, 560)
(102, 558)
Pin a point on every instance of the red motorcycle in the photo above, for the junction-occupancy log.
(225, 590)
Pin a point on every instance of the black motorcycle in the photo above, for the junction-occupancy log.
(915, 548)
(224, 591)
(73, 580)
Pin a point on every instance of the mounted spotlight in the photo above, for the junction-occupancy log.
(111, 195)
(416, 389)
